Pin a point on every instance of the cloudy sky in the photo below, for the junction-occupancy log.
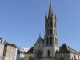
(21, 21)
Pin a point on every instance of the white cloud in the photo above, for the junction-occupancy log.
(26, 49)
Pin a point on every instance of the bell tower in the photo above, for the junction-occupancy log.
(51, 37)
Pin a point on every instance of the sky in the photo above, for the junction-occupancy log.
(21, 21)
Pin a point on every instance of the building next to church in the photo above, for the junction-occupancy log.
(9, 52)
(21, 53)
(1, 48)
(47, 48)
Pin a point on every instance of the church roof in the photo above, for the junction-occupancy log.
(41, 39)
(30, 50)
(72, 50)
(67, 49)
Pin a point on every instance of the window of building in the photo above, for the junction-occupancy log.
(50, 19)
(50, 24)
(74, 57)
(47, 40)
(39, 54)
(48, 53)
(47, 24)
(50, 31)
(50, 40)
(78, 57)
(47, 32)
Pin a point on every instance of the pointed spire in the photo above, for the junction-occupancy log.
(55, 16)
(45, 16)
(50, 10)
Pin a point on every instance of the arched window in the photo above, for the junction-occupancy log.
(74, 56)
(48, 53)
(50, 40)
(47, 24)
(30, 58)
(51, 24)
(50, 31)
(46, 40)
(39, 54)
(47, 32)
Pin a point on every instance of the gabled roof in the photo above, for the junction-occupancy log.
(41, 39)
(72, 50)
(30, 50)
(67, 49)
(13, 45)
(63, 49)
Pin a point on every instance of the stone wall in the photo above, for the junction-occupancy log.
(28, 56)
(64, 56)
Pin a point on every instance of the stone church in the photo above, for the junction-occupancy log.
(48, 48)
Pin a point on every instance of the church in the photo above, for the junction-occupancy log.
(47, 48)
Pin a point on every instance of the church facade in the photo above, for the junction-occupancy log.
(48, 48)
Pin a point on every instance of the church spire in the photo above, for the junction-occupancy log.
(50, 10)
(55, 16)
(45, 16)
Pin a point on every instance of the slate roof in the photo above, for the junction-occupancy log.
(72, 50)
(30, 50)
(67, 49)
(41, 39)
(13, 45)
